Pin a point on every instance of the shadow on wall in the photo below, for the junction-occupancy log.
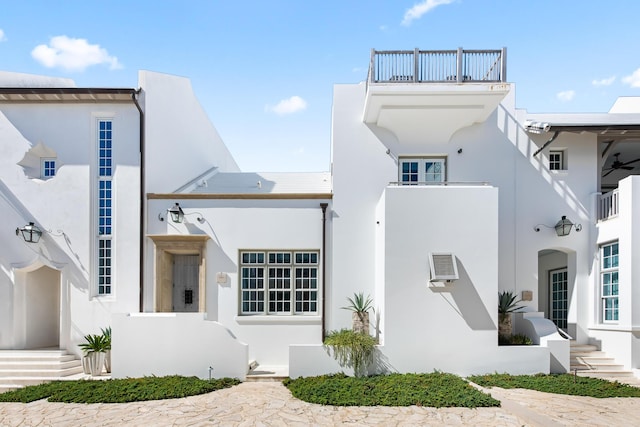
(465, 300)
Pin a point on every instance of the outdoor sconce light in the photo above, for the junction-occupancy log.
(30, 233)
(562, 227)
(175, 212)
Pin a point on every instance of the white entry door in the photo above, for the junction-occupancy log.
(558, 298)
(185, 283)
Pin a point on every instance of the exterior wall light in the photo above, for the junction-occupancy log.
(562, 227)
(30, 233)
(176, 213)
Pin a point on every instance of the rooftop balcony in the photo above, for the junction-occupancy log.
(435, 93)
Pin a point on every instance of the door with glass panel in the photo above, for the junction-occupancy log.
(558, 297)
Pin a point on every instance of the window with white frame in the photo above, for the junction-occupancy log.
(556, 160)
(414, 171)
(105, 202)
(279, 282)
(609, 282)
(47, 167)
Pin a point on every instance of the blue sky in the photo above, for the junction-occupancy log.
(264, 70)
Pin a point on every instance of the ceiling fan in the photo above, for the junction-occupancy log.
(617, 164)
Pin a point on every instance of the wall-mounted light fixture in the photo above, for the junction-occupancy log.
(562, 227)
(30, 233)
(177, 214)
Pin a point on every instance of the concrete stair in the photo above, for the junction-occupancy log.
(588, 361)
(19, 368)
(259, 373)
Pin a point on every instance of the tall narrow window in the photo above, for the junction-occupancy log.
(609, 282)
(421, 171)
(105, 201)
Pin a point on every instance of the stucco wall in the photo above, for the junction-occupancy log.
(234, 225)
(65, 207)
(182, 143)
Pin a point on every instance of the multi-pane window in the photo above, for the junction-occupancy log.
(279, 282)
(48, 168)
(105, 202)
(424, 170)
(609, 281)
(556, 160)
(104, 266)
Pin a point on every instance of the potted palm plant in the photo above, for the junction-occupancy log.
(94, 349)
(507, 304)
(360, 307)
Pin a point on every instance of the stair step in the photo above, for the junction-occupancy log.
(602, 373)
(39, 364)
(583, 348)
(268, 373)
(46, 373)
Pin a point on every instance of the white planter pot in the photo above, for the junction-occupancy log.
(86, 365)
(96, 363)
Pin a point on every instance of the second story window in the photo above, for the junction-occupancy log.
(48, 168)
(556, 160)
(414, 171)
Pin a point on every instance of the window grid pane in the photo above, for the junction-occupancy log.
(609, 282)
(279, 282)
(556, 160)
(105, 167)
(104, 266)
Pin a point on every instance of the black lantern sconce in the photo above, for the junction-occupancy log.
(177, 214)
(562, 227)
(30, 233)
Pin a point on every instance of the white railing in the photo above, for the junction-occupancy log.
(432, 66)
(609, 205)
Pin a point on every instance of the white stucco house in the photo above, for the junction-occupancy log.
(441, 194)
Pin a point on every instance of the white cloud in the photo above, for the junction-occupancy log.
(420, 9)
(73, 54)
(383, 28)
(604, 82)
(634, 79)
(566, 95)
(287, 106)
(2, 36)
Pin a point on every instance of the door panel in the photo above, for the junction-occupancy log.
(558, 299)
(185, 283)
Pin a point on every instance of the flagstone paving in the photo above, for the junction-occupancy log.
(271, 404)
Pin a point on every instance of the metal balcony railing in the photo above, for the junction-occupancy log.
(437, 66)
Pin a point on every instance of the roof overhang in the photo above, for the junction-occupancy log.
(437, 109)
(66, 95)
(620, 126)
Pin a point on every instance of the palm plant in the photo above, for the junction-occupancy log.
(507, 303)
(360, 306)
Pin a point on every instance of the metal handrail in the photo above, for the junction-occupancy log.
(439, 184)
(437, 66)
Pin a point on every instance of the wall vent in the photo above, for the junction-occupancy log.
(443, 267)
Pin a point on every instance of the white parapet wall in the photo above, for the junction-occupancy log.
(159, 344)
(311, 360)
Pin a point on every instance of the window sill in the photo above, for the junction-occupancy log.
(560, 172)
(279, 320)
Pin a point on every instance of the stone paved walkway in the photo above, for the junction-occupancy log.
(271, 404)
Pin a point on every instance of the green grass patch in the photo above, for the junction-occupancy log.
(117, 390)
(435, 390)
(560, 384)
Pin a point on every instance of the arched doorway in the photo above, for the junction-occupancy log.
(556, 280)
(37, 314)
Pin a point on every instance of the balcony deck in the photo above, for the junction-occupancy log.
(437, 66)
